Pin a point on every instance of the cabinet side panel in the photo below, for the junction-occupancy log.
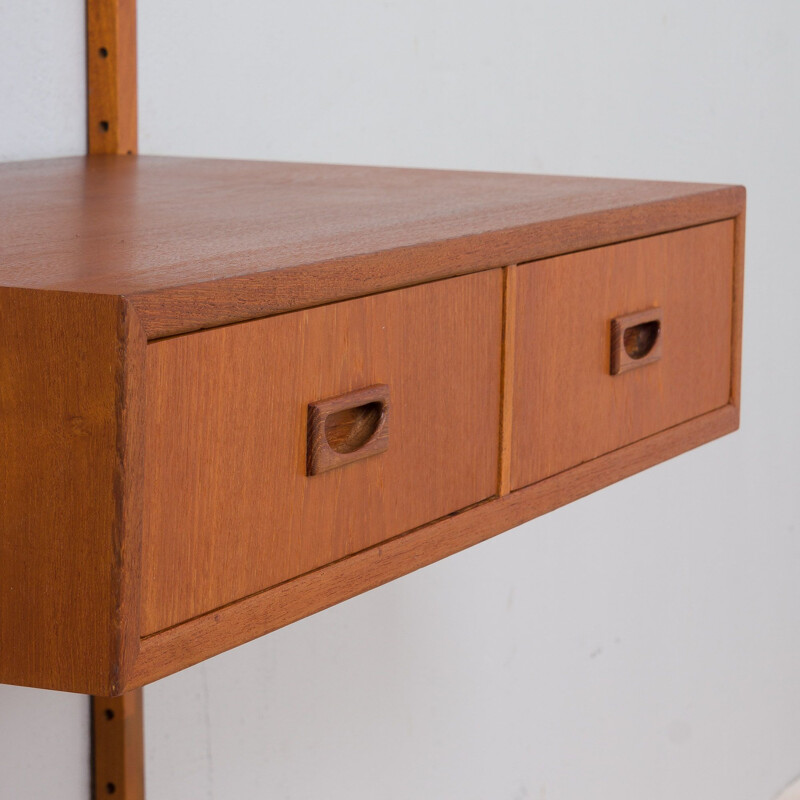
(59, 382)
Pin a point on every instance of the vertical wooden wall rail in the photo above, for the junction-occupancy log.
(118, 747)
(112, 128)
(111, 76)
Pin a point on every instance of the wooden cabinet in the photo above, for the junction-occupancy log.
(569, 405)
(233, 394)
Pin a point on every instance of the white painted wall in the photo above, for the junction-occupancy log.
(643, 642)
(44, 746)
(42, 79)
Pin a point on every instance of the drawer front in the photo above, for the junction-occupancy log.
(568, 407)
(230, 508)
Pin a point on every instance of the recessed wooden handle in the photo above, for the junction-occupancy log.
(635, 340)
(347, 428)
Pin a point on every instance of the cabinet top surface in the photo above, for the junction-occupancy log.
(184, 238)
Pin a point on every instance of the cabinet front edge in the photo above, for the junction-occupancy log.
(182, 309)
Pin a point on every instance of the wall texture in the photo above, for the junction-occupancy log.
(42, 79)
(44, 745)
(643, 642)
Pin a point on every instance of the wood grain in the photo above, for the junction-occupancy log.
(99, 254)
(738, 309)
(118, 767)
(347, 428)
(229, 509)
(507, 386)
(567, 407)
(64, 510)
(195, 243)
(183, 645)
(128, 494)
(112, 125)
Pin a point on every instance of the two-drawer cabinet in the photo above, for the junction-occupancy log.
(233, 394)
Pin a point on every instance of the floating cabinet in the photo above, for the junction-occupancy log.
(233, 394)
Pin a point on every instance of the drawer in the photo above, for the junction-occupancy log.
(230, 508)
(568, 405)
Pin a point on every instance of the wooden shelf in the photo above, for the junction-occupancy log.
(158, 506)
(194, 243)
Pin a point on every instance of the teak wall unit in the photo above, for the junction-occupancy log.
(233, 394)
(180, 338)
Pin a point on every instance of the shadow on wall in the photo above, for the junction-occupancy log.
(791, 792)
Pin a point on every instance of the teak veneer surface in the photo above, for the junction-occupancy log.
(229, 508)
(65, 509)
(193, 243)
(568, 407)
(113, 403)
